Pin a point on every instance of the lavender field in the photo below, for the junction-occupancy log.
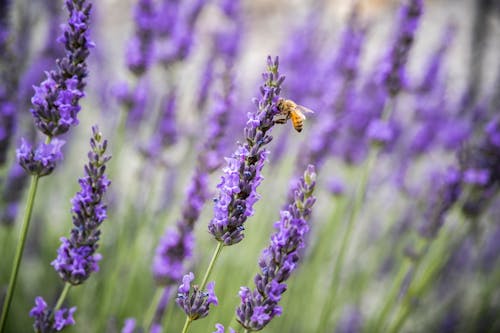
(238, 166)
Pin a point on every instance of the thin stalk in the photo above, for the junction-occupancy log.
(19, 250)
(187, 323)
(62, 297)
(210, 267)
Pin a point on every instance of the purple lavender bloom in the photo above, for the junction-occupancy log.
(394, 77)
(76, 257)
(206, 80)
(242, 175)
(476, 176)
(141, 47)
(129, 326)
(195, 303)
(55, 103)
(172, 251)
(181, 36)
(220, 329)
(41, 161)
(380, 131)
(279, 260)
(134, 100)
(45, 322)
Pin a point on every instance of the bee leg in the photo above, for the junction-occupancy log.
(280, 121)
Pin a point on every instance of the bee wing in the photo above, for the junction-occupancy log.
(303, 109)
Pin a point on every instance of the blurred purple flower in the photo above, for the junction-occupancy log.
(242, 175)
(380, 131)
(393, 74)
(279, 260)
(220, 329)
(55, 103)
(165, 134)
(76, 257)
(195, 303)
(45, 322)
(141, 47)
(41, 161)
(129, 326)
(7, 125)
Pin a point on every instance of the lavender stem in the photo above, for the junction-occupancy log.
(62, 297)
(150, 313)
(19, 250)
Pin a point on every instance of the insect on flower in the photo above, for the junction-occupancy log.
(291, 110)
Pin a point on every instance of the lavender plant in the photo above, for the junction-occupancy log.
(55, 109)
(279, 260)
(76, 257)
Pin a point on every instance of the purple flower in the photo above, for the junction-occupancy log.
(129, 326)
(41, 161)
(55, 103)
(279, 259)
(393, 75)
(220, 329)
(380, 131)
(172, 251)
(181, 34)
(45, 322)
(476, 176)
(76, 257)
(195, 303)
(140, 47)
(242, 175)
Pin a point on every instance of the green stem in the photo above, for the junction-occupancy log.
(211, 265)
(19, 250)
(187, 323)
(62, 297)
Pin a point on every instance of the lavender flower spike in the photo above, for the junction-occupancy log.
(195, 304)
(45, 322)
(242, 175)
(409, 17)
(42, 160)
(55, 103)
(76, 257)
(279, 260)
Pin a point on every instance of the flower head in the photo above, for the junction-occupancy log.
(279, 259)
(42, 160)
(394, 73)
(45, 322)
(242, 174)
(195, 302)
(76, 257)
(55, 103)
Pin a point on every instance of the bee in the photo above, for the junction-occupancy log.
(291, 110)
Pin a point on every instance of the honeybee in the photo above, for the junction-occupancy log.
(291, 110)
